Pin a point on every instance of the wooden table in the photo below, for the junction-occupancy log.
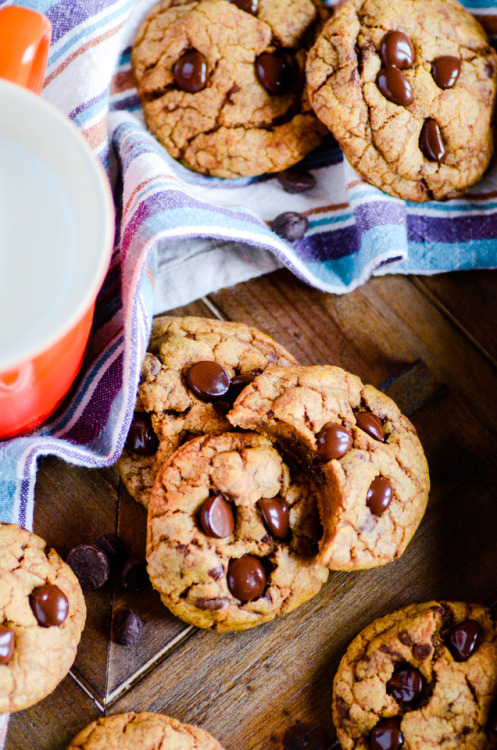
(431, 344)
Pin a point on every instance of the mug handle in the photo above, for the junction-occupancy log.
(25, 36)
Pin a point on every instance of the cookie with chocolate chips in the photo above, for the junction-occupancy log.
(142, 731)
(364, 456)
(232, 533)
(407, 87)
(422, 677)
(222, 84)
(42, 614)
(192, 373)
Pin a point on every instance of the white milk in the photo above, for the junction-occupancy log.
(38, 248)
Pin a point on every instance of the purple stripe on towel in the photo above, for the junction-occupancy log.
(379, 213)
(328, 245)
(68, 14)
(451, 229)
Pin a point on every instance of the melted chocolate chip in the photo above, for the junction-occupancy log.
(238, 383)
(370, 423)
(275, 72)
(275, 514)
(397, 49)
(445, 71)
(249, 6)
(333, 441)
(394, 86)
(216, 517)
(208, 380)
(296, 180)
(142, 439)
(246, 578)
(379, 495)
(386, 735)
(6, 644)
(430, 141)
(406, 685)
(127, 627)
(190, 71)
(290, 225)
(214, 603)
(90, 565)
(49, 605)
(465, 639)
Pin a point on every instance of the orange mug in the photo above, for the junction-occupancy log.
(56, 232)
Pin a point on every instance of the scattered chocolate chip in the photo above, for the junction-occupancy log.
(214, 603)
(492, 718)
(397, 49)
(370, 423)
(190, 71)
(276, 515)
(127, 627)
(386, 735)
(208, 380)
(296, 180)
(290, 225)
(7, 642)
(430, 141)
(90, 565)
(216, 517)
(445, 71)
(394, 86)
(333, 441)
(406, 685)
(465, 639)
(114, 548)
(238, 383)
(246, 578)
(379, 495)
(249, 6)
(49, 605)
(304, 736)
(134, 576)
(274, 72)
(142, 439)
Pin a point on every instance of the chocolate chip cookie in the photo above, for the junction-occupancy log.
(364, 455)
(422, 677)
(407, 87)
(143, 731)
(232, 534)
(191, 375)
(222, 84)
(42, 614)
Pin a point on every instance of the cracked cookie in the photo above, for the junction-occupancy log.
(180, 398)
(142, 731)
(422, 677)
(407, 88)
(224, 89)
(42, 614)
(366, 459)
(232, 534)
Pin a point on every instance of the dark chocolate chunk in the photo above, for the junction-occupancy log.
(127, 627)
(49, 605)
(216, 573)
(464, 639)
(141, 436)
(249, 6)
(333, 441)
(397, 49)
(134, 576)
(190, 71)
(290, 225)
(246, 578)
(7, 643)
(296, 180)
(208, 380)
(422, 651)
(114, 548)
(379, 495)
(238, 383)
(90, 565)
(216, 517)
(275, 72)
(445, 71)
(214, 603)
(431, 142)
(386, 735)
(394, 86)
(275, 514)
(406, 685)
(370, 423)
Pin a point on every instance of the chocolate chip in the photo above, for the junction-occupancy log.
(90, 565)
(208, 380)
(296, 180)
(430, 141)
(134, 576)
(276, 514)
(333, 441)
(492, 718)
(249, 6)
(370, 423)
(379, 495)
(489, 70)
(114, 548)
(7, 642)
(464, 639)
(394, 86)
(216, 517)
(142, 439)
(275, 72)
(246, 578)
(290, 225)
(238, 383)
(445, 71)
(127, 627)
(422, 651)
(397, 49)
(406, 685)
(49, 605)
(386, 735)
(304, 736)
(190, 71)
(214, 603)
(216, 573)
